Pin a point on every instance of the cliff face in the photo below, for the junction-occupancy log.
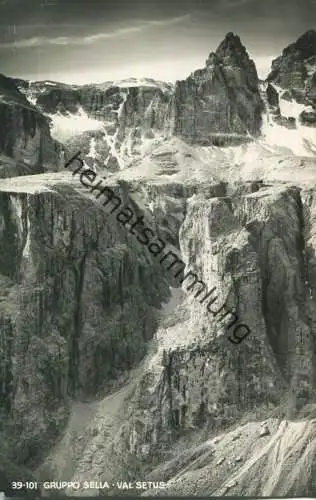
(132, 117)
(295, 70)
(25, 132)
(129, 116)
(296, 64)
(223, 98)
(255, 244)
(141, 107)
(277, 296)
(78, 306)
(198, 382)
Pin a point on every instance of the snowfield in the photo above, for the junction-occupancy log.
(66, 127)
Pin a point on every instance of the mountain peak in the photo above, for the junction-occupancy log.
(231, 52)
(230, 44)
(304, 47)
(307, 42)
(308, 36)
(293, 69)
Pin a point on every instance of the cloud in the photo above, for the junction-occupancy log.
(42, 41)
(228, 4)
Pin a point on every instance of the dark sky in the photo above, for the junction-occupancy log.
(99, 40)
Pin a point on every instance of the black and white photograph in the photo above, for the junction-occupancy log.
(157, 248)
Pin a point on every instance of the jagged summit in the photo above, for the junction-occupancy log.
(305, 44)
(309, 35)
(307, 41)
(231, 43)
(233, 52)
(225, 93)
(230, 51)
(295, 68)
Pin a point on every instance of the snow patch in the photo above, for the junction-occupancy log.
(28, 94)
(121, 106)
(300, 140)
(92, 151)
(65, 127)
(16, 203)
(141, 82)
(31, 100)
(277, 135)
(290, 108)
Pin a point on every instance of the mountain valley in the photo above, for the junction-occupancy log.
(109, 370)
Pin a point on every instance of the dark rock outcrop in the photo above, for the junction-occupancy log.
(25, 132)
(78, 306)
(295, 69)
(13, 168)
(63, 100)
(128, 114)
(308, 118)
(272, 96)
(221, 99)
(288, 122)
(258, 249)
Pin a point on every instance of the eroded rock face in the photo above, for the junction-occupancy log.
(88, 299)
(69, 277)
(308, 118)
(260, 269)
(256, 247)
(273, 97)
(142, 107)
(130, 116)
(295, 69)
(223, 98)
(25, 132)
